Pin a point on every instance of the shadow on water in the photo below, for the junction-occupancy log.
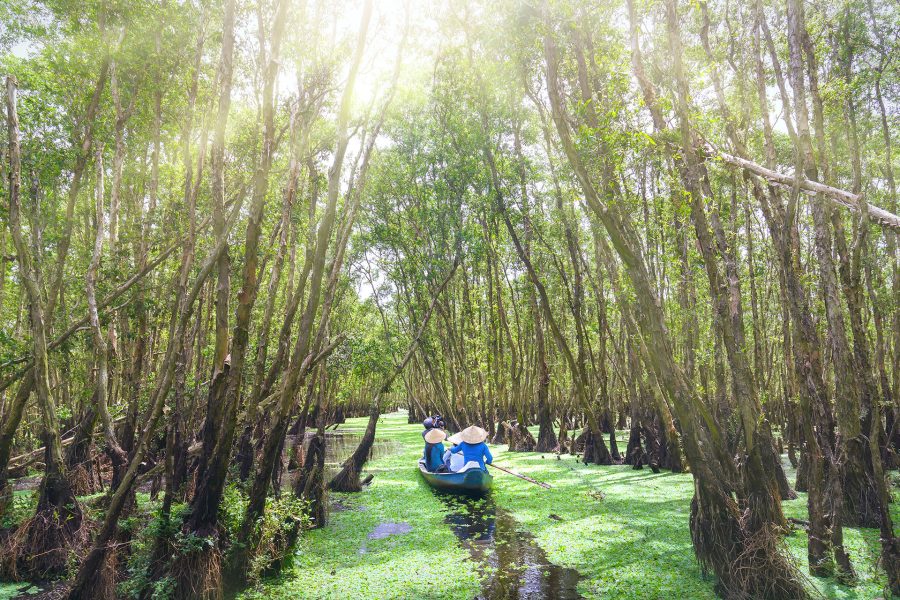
(513, 565)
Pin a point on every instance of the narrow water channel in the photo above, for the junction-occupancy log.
(513, 565)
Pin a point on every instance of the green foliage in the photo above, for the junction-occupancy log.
(232, 508)
(11, 591)
(142, 546)
(22, 506)
(284, 516)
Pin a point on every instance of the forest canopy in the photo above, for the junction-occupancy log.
(229, 225)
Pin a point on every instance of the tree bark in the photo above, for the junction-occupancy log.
(56, 525)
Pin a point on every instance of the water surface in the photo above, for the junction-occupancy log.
(339, 445)
(514, 566)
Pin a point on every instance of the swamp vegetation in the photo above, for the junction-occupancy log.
(650, 246)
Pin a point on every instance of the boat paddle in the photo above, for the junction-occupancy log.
(546, 486)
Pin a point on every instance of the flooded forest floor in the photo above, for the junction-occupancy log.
(601, 532)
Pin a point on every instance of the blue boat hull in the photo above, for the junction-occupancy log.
(473, 481)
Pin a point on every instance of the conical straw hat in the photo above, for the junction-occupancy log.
(473, 435)
(454, 439)
(433, 436)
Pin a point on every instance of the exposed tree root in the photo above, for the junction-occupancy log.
(655, 450)
(750, 565)
(634, 451)
(518, 437)
(198, 575)
(765, 569)
(40, 548)
(547, 440)
(82, 480)
(595, 450)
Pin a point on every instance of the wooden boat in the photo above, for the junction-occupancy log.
(473, 481)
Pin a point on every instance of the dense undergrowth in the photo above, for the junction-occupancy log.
(137, 577)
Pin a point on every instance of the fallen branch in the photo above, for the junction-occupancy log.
(799, 522)
(847, 199)
(23, 460)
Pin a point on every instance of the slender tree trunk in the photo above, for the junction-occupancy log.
(301, 359)
(56, 525)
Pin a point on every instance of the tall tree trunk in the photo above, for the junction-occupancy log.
(301, 359)
(546, 435)
(847, 399)
(761, 462)
(56, 525)
(82, 147)
(211, 467)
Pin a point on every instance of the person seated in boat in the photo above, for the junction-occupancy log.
(453, 462)
(431, 423)
(428, 424)
(472, 446)
(434, 449)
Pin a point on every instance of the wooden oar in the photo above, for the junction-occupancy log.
(520, 476)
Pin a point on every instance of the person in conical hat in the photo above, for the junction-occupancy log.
(472, 446)
(435, 436)
(434, 449)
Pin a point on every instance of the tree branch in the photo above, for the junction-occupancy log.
(844, 198)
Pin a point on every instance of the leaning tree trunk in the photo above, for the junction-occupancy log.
(310, 484)
(83, 587)
(300, 361)
(347, 480)
(600, 454)
(518, 437)
(67, 520)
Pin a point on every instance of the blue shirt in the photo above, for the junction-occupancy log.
(434, 456)
(476, 452)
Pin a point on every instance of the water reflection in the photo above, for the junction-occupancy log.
(513, 565)
(339, 445)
